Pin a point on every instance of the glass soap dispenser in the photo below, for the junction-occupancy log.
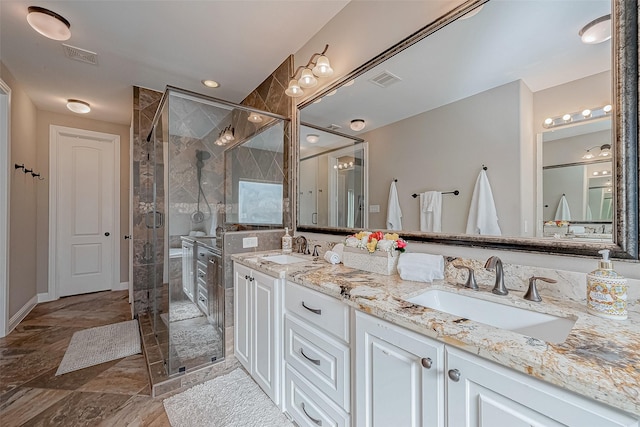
(606, 291)
(287, 242)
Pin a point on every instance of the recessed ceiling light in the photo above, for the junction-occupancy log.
(211, 83)
(48, 23)
(78, 106)
(596, 31)
(312, 138)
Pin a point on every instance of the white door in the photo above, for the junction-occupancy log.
(266, 334)
(86, 223)
(399, 376)
(241, 314)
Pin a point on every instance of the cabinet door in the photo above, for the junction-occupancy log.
(487, 394)
(242, 314)
(188, 280)
(266, 341)
(399, 376)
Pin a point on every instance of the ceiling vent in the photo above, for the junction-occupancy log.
(333, 126)
(81, 55)
(385, 79)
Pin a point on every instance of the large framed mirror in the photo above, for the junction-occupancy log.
(500, 92)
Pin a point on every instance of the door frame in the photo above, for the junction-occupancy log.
(5, 190)
(54, 131)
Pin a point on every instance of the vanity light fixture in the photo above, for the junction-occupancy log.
(211, 83)
(312, 138)
(357, 125)
(254, 117)
(225, 136)
(48, 23)
(605, 151)
(596, 31)
(318, 66)
(578, 116)
(78, 106)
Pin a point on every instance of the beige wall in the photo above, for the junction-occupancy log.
(44, 120)
(22, 201)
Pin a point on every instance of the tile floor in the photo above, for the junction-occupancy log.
(115, 393)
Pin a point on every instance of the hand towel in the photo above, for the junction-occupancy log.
(332, 257)
(483, 218)
(431, 211)
(394, 213)
(563, 213)
(339, 249)
(420, 267)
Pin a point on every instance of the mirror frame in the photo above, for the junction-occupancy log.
(625, 134)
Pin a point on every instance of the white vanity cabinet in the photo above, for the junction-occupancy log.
(482, 393)
(317, 358)
(257, 320)
(399, 376)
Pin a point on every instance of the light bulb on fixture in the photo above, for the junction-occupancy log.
(357, 125)
(254, 118)
(605, 150)
(566, 118)
(49, 23)
(548, 121)
(588, 156)
(596, 173)
(607, 108)
(307, 79)
(294, 90)
(228, 134)
(312, 138)
(78, 106)
(596, 31)
(586, 113)
(323, 67)
(319, 67)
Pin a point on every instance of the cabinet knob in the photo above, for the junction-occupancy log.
(246, 277)
(454, 374)
(427, 362)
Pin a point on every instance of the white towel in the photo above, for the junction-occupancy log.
(420, 267)
(563, 213)
(483, 218)
(394, 213)
(332, 257)
(431, 211)
(339, 249)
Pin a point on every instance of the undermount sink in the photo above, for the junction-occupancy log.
(283, 259)
(542, 326)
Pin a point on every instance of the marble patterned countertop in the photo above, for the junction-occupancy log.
(600, 359)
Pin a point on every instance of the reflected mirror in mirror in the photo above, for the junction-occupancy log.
(477, 92)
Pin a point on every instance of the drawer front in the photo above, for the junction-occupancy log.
(203, 299)
(321, 310)
(321, 359)
(307, 406)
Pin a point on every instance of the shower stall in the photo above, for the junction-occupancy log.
(219, 169)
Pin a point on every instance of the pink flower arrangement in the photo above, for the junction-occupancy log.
(376, 241)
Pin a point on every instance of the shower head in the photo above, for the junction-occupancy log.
(202, 155)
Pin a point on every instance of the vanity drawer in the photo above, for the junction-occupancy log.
(321, 310)
(308, 407)
(321, 359)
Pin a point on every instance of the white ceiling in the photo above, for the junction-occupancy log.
(153, 44)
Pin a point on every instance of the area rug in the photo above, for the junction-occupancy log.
(230, 400)
(181, 310)
(101, 344)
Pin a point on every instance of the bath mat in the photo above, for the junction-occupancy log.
(181, 310)
(230, 400)
(101, 344)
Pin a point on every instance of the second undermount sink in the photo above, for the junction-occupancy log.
(283, 259)
(542, 326)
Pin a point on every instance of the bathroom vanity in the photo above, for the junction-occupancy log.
(348, 348)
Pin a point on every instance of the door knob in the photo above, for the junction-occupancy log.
(107, 234)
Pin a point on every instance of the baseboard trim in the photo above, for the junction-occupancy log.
(22, 313)
(45, 297)
(124, 286)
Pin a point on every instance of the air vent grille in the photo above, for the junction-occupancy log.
(333, 126)
(81, 55)
(385, 79)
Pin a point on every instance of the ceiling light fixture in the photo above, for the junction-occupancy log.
(472, 13)
(78, 106)
(254, 117)
(49, 23)
(315, 68)
(312, 138)
(605, 151)
(596, 31)
(357, 125)
(578, 116)
(211, 83)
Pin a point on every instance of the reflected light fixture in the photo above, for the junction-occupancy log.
(312, 138)
(596, 31)
(225, 136)
(318, 66)
(357, 125)
(48, 23)
(578, 116)
(605, 151)
(211, 83)
(254, 117)
(78, 106)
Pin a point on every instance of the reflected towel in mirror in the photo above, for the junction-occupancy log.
(431, 211)
(394, 213)
(563, 213)
(483, 217)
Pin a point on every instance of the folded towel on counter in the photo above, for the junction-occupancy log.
(421, 267)
(332, 257)
(431, 211)
(339, 249)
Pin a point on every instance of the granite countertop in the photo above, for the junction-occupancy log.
(600, 359)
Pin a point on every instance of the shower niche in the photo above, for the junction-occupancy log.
(219, 168)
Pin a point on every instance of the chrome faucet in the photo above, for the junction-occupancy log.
(532, 293)
(303, 246)
(471, 279)
(499, 288)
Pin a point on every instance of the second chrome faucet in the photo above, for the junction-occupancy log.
(499, 288)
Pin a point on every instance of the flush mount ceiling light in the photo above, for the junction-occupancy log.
(472, 13)
(48, 23)
(312, 138)
(78, 106)
(254, 117)
(596, 31)
(211, 83)
(578, 116)
(605, 151)
(314, 69)
(357, 125)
